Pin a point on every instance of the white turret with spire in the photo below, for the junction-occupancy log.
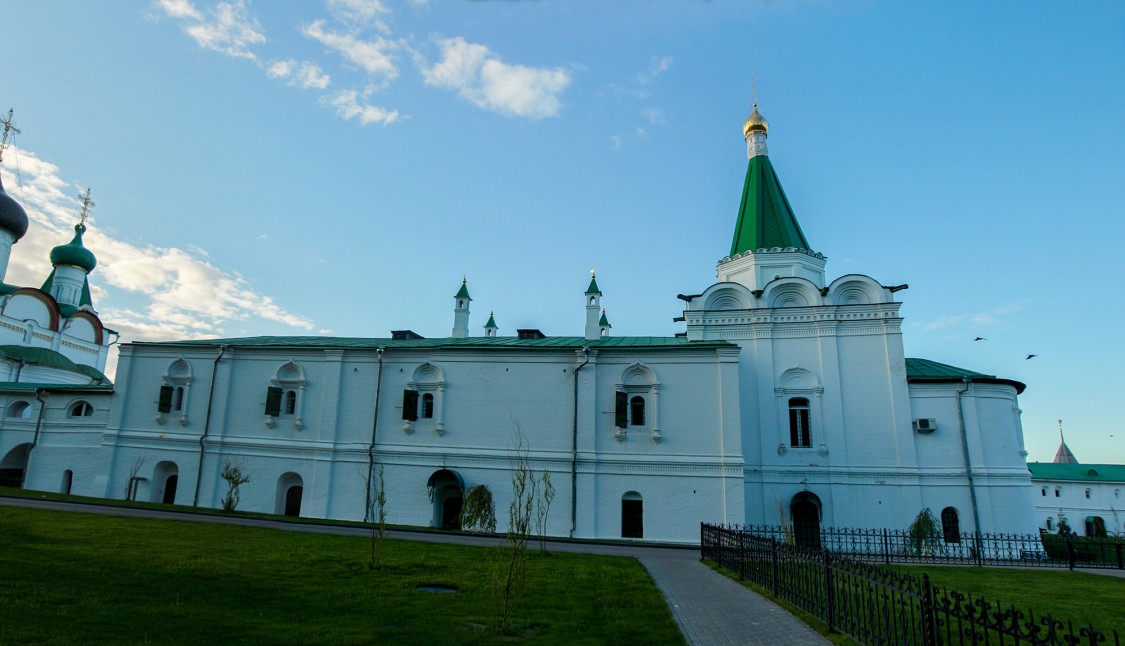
(593, 309)
(461, 310)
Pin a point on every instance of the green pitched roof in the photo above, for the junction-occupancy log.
(491, 322)
(472, 343)
(463, 292)
(604, 321)
(593, 288)
(765, 219)
(924, 370)
(21, 386)
(1077, 472)
(48, 358)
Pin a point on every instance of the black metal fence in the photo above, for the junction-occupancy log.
(875, 605)
(967, 548)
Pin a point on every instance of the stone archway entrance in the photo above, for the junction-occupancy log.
(632, 515)
(165, 478)
(805, 511)
(290, 490)
(447, 492)
(13, 465)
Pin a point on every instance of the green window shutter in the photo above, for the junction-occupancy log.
(165, 403)
(273, 401)
(621, 412)
(410, 405)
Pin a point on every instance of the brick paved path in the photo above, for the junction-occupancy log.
(713, 609)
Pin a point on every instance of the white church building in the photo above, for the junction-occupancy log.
(787, 398)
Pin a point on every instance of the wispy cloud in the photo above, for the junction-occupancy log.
(372, 56)
(303, 75)
(992, 318)
(227, 27)
(148, 292)
(481, 77)
(350, 104)
(657, 67)
(371, 13)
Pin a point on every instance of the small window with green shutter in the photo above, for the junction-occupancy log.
(164, 405)
(410, 405)
(621, 410)
(273, 401)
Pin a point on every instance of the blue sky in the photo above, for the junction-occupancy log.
(335, 167)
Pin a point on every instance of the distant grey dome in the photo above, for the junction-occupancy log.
(13, 218)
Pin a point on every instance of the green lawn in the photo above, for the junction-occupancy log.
(1077, 596)
(72, 578)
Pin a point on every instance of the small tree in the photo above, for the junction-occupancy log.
(509, 576)
(543, 508)
(235, 478)
(378, 515)
(925, 533)
(131, 483)
(479, 511)
(1064, 527)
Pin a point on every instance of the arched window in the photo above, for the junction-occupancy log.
(19, 409)
(290, 402)
(81, 409)
(1050, 525)
(637, 402)
(67, 481)
(1043, 491)
(637, 411)
(1087, 494)
(1058, 491)
(178, 398)
(428, 405)
(950, 525)
(799, 432)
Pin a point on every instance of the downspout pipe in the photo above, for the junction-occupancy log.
(367, 516)
(39, 392)
(207, 424)
(574, 450)
(965, 449)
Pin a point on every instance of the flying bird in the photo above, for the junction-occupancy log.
(1031, 356)
(980, 338)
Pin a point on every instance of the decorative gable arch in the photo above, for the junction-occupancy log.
(856, 289)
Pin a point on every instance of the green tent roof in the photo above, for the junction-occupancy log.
(473, 343)
(765, 219)
(464, 291)
(604, 321)
(49, 359)
(924, 370)
(491, 322)
(1077, 472)
(593, 288)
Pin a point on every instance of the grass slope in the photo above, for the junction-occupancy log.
(1080, 597)
(72, 578)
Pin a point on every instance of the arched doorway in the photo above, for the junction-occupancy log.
(805, 511)
(632, 515)
(290, 490)
(447, 491)
(12, 466)
(166, 478)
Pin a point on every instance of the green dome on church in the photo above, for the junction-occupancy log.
(73, 253)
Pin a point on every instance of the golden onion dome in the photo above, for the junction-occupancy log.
(756, 123)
